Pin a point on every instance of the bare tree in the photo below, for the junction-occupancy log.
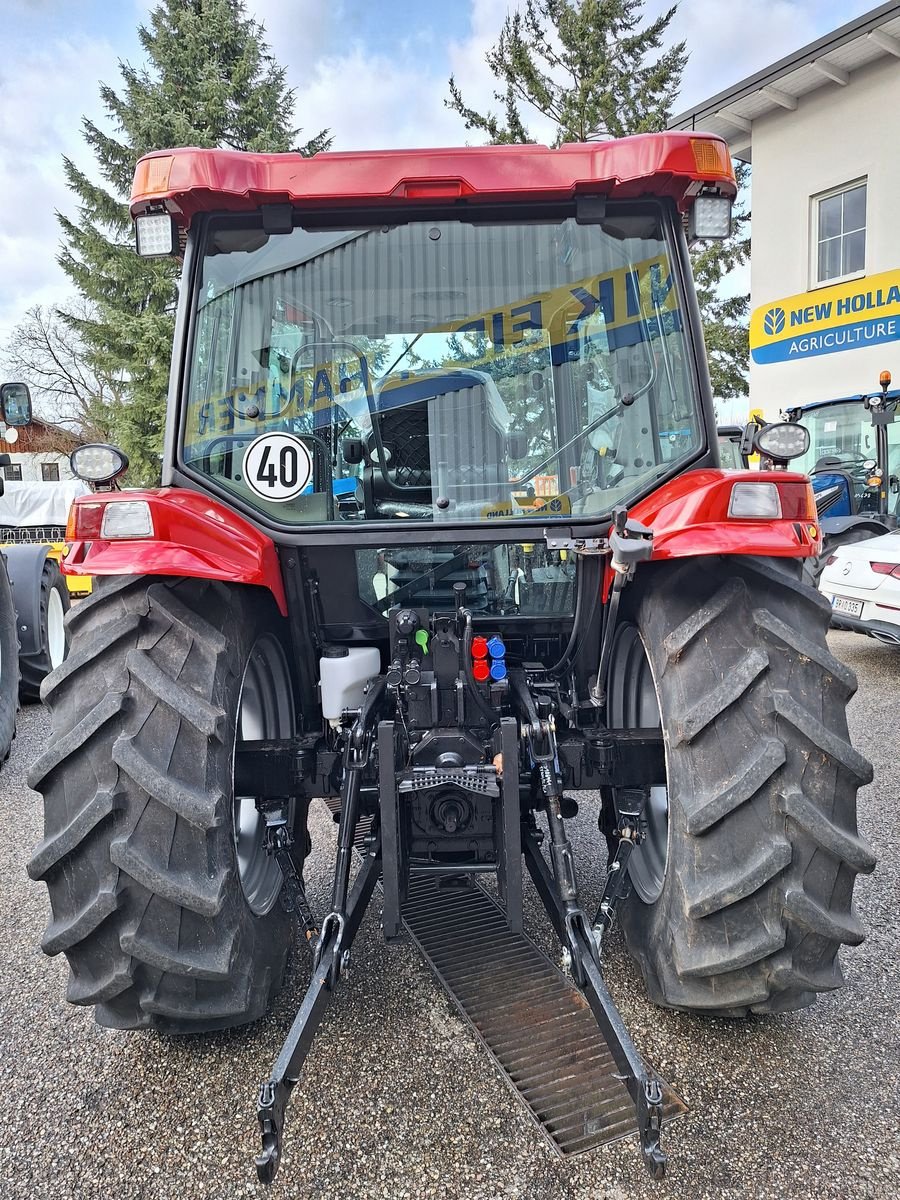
(46, 352)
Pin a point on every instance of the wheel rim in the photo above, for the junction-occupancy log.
(633, 704)
(56, 630)
(265, 710)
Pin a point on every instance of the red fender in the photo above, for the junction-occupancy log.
(193, 535)
(689, 516)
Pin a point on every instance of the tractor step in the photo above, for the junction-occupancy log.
(534, 1022)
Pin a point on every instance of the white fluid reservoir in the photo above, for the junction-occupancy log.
(343, 674)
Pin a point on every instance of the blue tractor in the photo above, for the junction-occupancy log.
(853, 461)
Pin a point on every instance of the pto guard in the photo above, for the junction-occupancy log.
(689, 517)
(193, 536)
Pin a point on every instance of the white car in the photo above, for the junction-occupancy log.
(862, 581)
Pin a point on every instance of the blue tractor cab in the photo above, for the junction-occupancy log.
(853, 461)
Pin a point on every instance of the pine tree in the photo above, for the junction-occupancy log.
(596, 69)
(209, 80)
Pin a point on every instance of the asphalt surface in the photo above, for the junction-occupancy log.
(397, 1097)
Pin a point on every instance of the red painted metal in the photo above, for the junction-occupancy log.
(188, 181)
(689, 516)
(194, 536)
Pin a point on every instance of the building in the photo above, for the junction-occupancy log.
(40, 453)
(820, 128)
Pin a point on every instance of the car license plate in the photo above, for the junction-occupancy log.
(852, 607)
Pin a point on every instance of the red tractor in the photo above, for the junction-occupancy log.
(443, 539)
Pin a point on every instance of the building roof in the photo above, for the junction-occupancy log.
(827, 62)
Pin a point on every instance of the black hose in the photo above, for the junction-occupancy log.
(588, 577)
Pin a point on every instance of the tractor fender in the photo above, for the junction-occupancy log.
(25, 567)
(689, 517)
(193, 536)
(834, 526)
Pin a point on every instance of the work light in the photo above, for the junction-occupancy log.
(157, 235)
(710, 217)
(783, 441)
(97, 463)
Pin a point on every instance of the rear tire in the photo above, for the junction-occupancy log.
(54, 606)
(140, 854)
(9, 664)
(762, 849)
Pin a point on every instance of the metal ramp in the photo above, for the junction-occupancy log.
(532, 1020)
(536, 1025)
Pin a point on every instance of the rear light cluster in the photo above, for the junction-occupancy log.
(489, 659)
(767, 500)
(109, 520)
(881, 568)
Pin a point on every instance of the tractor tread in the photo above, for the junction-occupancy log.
(108, 707)
(728, 692)
(792, 639)
(149, 908)
(167, 604)
(848, 847)
(200, 807)
(763, 843)
(83, 989)
(204, 895)
(75, 662)
(817, 919)
(207, 718)
(717, 802)
(50, 851)
(106, 589)
(209, 962)
(831, 745)
(677, 642)
(711, 893)
(690, 960)
(63, 934)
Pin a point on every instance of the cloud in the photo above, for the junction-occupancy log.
(43, 100)
(391, 95)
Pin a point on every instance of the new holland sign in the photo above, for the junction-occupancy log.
(844, 317)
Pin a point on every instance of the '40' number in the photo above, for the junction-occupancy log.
(287, 471)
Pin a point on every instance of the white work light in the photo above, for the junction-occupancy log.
(127, 519)
(783, 441)
(755, 501)
(157, 235)
(710, 217)
(97, 463)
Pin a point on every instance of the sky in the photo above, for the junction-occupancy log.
(374, 72)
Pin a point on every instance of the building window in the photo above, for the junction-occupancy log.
(840, 220)
(50, 472)
(13, 472)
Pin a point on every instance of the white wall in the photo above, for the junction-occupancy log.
(836, 135)
(31, 464)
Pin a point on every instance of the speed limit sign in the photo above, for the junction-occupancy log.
(277, 466)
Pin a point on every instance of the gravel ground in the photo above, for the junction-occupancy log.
(398, 1099)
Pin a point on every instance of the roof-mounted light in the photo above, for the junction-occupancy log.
(710, 218)
(156, 234)
(151, 177)
(711, 157)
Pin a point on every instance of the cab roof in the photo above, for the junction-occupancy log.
(673, 164)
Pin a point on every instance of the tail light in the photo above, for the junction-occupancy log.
(109, 520)
(881, 568)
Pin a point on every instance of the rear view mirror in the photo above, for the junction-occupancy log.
(15, 404)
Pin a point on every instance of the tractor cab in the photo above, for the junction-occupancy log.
(853, 461)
